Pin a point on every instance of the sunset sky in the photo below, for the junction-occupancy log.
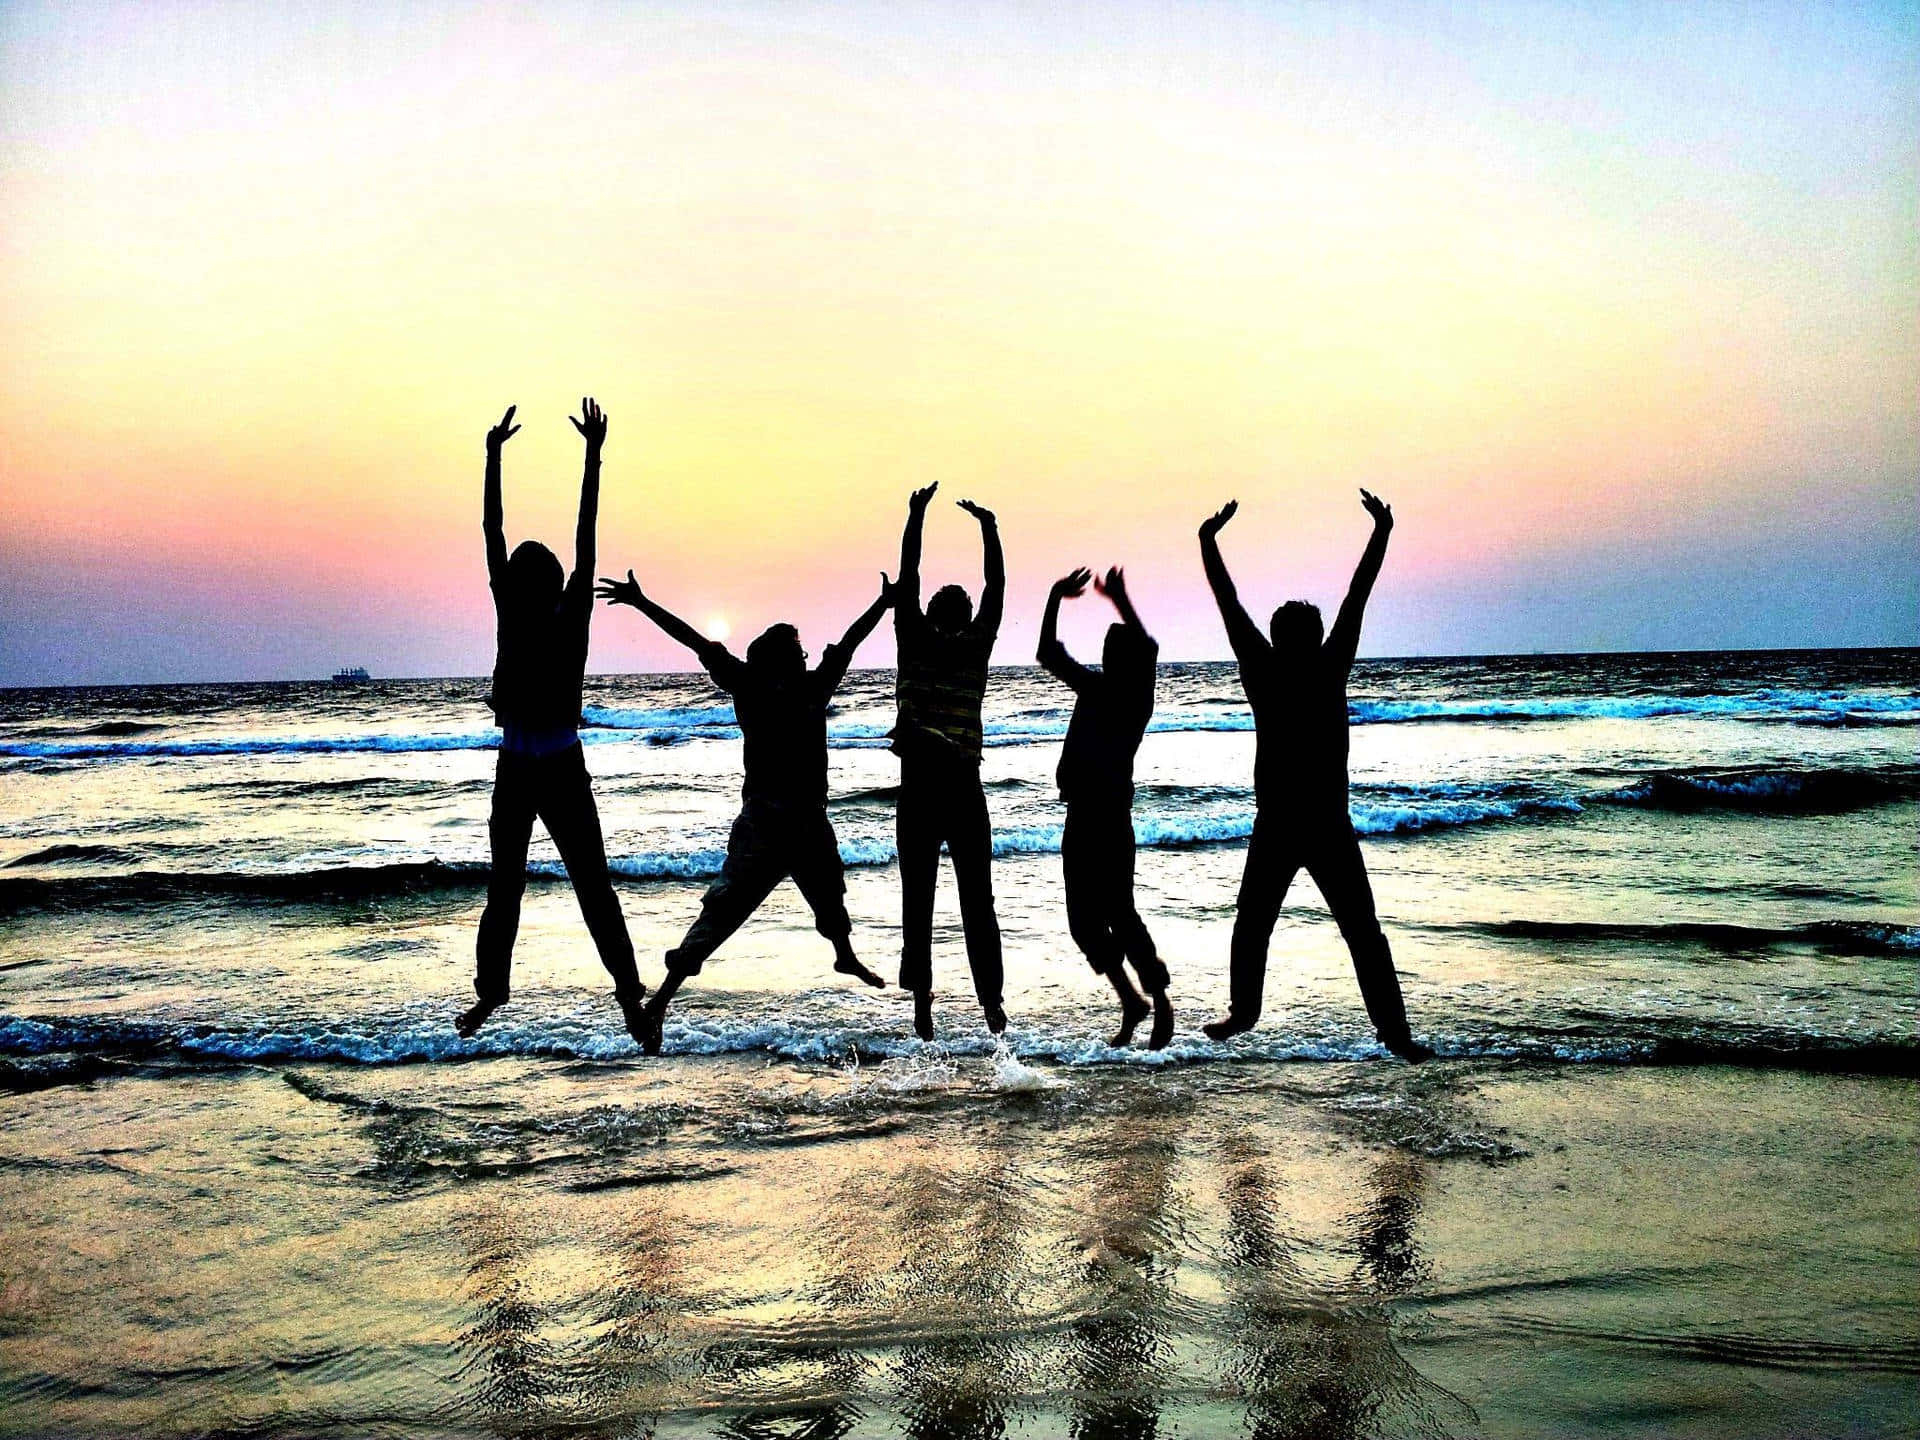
(1619, 306)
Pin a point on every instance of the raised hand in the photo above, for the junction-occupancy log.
(917, 502)
(1113, 585)
(504, 431)
(1212, 525)
(889, 589)
(1073, 583)
(1381, 512)
(593, 423)
(979, 512)
(619, 592)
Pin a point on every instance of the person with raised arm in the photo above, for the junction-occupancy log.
(542, 619)
(1111, 708)
(940, 685)
(782, 831)
(1296, 683)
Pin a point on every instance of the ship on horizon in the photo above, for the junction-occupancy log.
(351, 675)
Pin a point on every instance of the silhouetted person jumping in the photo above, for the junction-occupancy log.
(543, 618)
(783, 830)
(1110, 712)
(1297, 685)
(942, 679)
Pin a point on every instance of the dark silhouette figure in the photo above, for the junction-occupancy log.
(1110, 712)
(543, 619)
(942, 679)
(783, 830)
(1296, 683)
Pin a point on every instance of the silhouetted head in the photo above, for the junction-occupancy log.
(777, 654)
(1125, 650)
(534, 580)
(1296, 628)
(950, 609)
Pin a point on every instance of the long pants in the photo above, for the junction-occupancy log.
(1330, 852)
(1096, 857)
(941, 801)
(768, 844)
(556, 789)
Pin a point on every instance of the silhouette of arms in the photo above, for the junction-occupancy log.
(1344, 640)
(839, 655)
(1242, 633)
(627, 592)
(493, 521)
(1114, 587)
(593, 426)
(993, 598)
(1053, 655)
(906, 589)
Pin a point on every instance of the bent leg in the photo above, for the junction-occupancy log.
(509, 828)
(754, 865)
(1129, 930)
(573, 820)
(813, 860)
(1086, 881)
(1338, 869)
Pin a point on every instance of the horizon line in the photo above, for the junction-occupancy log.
(1024, 665)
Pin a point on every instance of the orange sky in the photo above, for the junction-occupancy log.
(1609, 303)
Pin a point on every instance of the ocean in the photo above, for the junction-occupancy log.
(1658, 914)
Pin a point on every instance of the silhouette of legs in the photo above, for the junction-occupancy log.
(573, 820)
(946, 803)
(813, 859)
(556, 789)
(970, 843)
(1340, 871)
(1271, 866)
(509, 830)
(917, 839)
(768, 843)
(1097, 860)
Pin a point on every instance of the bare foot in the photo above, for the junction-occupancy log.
(1407, 1048)
(1226, 1029)
(996, 1019)
(653, 1019)
(1162, 1030)
(923, 1014)
(633, 1012)
(847, 965)
(471, 1020)
(1132, 1011)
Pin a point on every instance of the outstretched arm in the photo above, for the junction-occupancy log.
(839, 655)
(593, 426)
(993, 596)
(864, 622)
(1114, 587)
(493, 522)
(1242, 633)
(627, 592)
(1344, 641)
(907, 588)
(1052, 655)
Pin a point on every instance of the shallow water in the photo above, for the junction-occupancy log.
(1658, 914)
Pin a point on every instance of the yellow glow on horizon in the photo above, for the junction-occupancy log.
(265, 292)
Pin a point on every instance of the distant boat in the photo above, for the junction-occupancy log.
(351, 675)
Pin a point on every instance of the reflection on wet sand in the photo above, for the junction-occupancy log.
(1126, 1273)
(1121, 1353)
(1310, 1361)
